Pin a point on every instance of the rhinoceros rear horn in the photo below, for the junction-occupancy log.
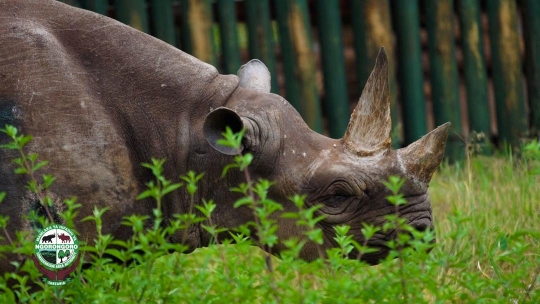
(216, 123)
(254, 75)
(369, 129)
(421, 158)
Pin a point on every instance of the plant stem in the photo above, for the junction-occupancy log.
(360, 253)
(158, 198)
(142, 293)
(221, 255)
(10, 240)
(533, 283)
(188, 224)
(446, 264)
(40, 196)
(257, 220)
(7, 235)
(267, 258)
(400, 251)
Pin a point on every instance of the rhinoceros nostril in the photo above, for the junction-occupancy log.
(421, 227)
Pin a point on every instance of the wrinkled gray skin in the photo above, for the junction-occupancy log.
(100, 98)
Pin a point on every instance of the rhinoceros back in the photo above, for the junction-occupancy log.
(99, 98)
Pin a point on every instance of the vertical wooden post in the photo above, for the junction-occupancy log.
(372, 29)
(507, 78)
(197, 34)
(185, 30)
(444, 74)
(306, 64)
(98, 6)
(292, 85)
(333, 64)
(474, 66)
(230, 56)
(407, 26)
(298, 60)
(531, 25)
(132, 13)
(163, 20)
(261, 40)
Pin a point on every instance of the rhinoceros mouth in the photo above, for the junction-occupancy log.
(374, 258)
(379, 242)
(422, 222)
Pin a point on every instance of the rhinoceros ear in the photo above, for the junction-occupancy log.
(216, 123)
(421, 158)
(254, 76)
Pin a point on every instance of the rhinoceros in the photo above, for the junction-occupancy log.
(100, 98)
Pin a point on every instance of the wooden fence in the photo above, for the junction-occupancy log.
(474, 63)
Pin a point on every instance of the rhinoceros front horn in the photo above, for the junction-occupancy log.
(369, 129)
(368, 133)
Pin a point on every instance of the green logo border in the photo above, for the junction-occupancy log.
(46, 263)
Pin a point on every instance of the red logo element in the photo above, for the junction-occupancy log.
(58, 275)
(64, 238)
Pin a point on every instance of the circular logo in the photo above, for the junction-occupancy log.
(56, 247)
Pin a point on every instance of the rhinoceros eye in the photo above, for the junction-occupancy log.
(337, 200)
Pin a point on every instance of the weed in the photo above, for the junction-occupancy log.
(487, 250)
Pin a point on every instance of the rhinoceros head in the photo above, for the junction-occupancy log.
(345, 175)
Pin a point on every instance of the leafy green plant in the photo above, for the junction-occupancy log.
(487, 250)
(161, 187)
(28, 164)
(531, 153)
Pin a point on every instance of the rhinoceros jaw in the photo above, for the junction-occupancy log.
(370, 125)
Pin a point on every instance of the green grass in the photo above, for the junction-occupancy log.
(488, 242)
(486, 213)
(488, 249)
(500, 198)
